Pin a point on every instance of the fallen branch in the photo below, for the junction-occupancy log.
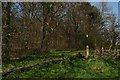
(6, 72)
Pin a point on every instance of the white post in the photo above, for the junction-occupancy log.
(87, 49)
(102, 51)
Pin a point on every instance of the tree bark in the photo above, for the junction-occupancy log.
(6, 55)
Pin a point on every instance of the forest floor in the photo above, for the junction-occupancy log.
(104, 67)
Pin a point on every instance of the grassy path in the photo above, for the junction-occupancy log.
(36, 59)
(71, 68)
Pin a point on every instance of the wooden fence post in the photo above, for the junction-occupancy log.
(102, 51)
(87, 51)
(87, 48)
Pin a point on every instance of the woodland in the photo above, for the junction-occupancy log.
(59, 40)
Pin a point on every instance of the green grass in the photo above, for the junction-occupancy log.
(36, 59)
(71, 68)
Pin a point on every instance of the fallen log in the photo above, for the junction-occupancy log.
(6, 72)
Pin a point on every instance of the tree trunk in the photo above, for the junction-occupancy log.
(44, 41)
(0, 33)
(7, 32)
